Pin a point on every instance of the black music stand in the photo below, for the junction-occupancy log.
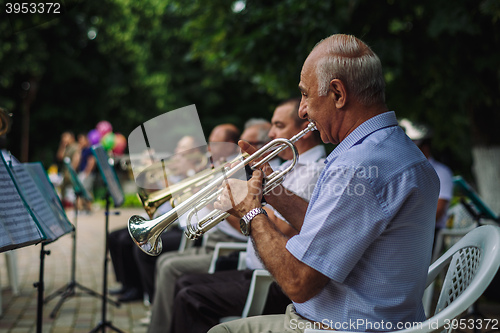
(478, 209)
(48, 215)
(17, 227)
(114, 191)
(68, 290)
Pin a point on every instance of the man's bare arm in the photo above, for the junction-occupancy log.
(299, 281)
(292, 207)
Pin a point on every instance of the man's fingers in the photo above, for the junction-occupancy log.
(230, 194)
(246, 147)
(258, 175)
(222, 202)
(255, 183)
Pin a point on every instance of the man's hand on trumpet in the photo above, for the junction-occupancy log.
(239, 197)
(249, 149)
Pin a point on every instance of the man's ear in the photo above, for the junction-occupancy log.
(337, 88)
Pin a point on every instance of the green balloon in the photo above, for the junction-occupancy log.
(108, 141)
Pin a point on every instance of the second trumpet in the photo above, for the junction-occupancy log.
(146, 233)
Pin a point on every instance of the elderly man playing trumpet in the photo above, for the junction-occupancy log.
(365, 238)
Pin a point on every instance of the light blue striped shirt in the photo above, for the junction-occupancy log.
(369, 227)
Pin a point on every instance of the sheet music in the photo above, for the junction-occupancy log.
(39, 175)
(45, 216)
(18, 228)
(75, 181)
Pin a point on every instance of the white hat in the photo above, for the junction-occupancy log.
(416, 132)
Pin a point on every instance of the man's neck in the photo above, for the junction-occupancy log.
(303, 146)
(358, 115)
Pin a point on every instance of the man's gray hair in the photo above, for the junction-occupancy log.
(263, 129)
(353, 62)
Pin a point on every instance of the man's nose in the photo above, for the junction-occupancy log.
(271, 134)
(303, 109)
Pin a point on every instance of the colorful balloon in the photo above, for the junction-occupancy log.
(120, 144)
(104, 127)
(108, 141)
(94, 137)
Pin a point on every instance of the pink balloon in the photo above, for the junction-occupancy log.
(104, 127)
(120, 144)
(94, 136)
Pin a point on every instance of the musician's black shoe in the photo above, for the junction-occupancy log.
(132, 294)
(117, 291)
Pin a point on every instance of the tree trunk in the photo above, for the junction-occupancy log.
(486, 170)
(30, 89)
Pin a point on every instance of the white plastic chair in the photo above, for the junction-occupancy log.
(257, 295)
(462, 222)
(11, 263)
(473, 262)
(259, 285)
(225, 248)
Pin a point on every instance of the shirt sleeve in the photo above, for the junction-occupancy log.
(343, 219)
(446, 183)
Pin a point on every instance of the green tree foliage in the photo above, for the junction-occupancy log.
(236, 58)
(115, 60)
(440, 57)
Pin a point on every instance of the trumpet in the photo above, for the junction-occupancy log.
(178, 192)
(173, 193)
(146, 233)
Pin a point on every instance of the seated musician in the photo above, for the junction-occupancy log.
(133, 268)
(203, 299)
(360, 259)
(171, 265)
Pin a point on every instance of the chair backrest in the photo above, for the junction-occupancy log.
(463, 268)
(460, 217)
(473, 262)
(460, 222)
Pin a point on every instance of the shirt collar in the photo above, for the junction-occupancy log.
(312, 155)
(386, 119)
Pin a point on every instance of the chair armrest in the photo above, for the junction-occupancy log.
(257, 294)
(242, 263)
(224, 248)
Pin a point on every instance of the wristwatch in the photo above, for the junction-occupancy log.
(245, 220)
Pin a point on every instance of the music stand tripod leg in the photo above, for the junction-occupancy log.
(69, 290)
(40, 287)
(105, 323)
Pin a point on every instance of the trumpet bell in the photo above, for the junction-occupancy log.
(140, 229)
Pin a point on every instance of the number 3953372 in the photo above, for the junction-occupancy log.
(33, 8)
